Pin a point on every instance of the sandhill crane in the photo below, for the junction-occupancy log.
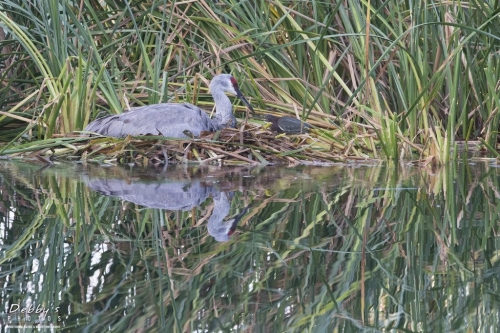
(178, 120)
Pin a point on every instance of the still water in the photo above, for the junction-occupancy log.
(354, 248)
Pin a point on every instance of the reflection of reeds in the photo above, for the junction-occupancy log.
(295, 262)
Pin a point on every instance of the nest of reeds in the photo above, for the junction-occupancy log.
(252, 143)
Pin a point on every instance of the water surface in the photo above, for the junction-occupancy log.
(201, 249)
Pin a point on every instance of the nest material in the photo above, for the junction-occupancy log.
(251, 144)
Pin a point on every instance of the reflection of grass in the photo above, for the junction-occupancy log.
(363, 248)
(379, 79)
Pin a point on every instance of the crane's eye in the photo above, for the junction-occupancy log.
(234, 83)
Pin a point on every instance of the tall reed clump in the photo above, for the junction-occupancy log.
(54, 73)
(404, 79)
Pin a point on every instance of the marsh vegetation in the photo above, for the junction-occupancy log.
(384, 80)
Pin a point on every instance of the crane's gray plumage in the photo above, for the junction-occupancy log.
(174, 119)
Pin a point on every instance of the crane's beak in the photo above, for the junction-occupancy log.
(244, 100)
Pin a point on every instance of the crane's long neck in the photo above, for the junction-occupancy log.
(223, 110)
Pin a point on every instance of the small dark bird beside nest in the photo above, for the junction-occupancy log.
(288, 125)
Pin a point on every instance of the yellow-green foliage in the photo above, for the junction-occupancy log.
(432, 68)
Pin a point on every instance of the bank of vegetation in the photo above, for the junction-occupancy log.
(377, 80)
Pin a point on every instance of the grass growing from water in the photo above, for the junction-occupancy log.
(388, 80)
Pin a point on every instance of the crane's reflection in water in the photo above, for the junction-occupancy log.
(173, 190)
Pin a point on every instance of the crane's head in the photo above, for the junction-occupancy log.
(227, 83)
